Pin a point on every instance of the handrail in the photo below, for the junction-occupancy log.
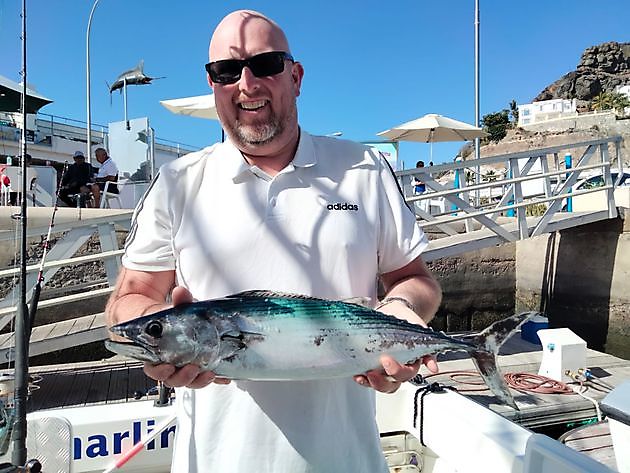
(543, 170)
(64, 262)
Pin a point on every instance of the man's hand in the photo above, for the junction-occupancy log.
(139, 293)
(190, 375)
(393, 374)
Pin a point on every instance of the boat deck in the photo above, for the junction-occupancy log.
(79, 384)
(556, 413)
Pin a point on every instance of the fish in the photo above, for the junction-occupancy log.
(263, 335)
(135, 76)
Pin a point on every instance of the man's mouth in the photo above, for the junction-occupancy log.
(249, 106)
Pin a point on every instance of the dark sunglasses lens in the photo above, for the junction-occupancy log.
(225, 72)
(229, 71)
(267, 64)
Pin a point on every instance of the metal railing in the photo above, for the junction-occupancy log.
(512, 185)
(48, 126)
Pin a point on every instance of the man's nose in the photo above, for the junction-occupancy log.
(248, 80)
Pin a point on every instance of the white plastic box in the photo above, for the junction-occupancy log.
(563, 351)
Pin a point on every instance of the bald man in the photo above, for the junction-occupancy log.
(273, 208)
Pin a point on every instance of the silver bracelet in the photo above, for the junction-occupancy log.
(402, 300)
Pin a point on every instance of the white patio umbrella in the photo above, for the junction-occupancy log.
(433, 128)
(201, 106)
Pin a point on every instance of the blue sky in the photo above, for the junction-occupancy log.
(369, 65)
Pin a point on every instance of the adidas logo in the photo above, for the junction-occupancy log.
(344, 206)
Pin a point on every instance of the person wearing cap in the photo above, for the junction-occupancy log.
(74, 181)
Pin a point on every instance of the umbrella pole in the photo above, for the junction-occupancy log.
(125, 102)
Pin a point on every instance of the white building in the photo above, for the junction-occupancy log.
(546, 110)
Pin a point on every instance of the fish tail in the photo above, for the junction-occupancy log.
(484, 355)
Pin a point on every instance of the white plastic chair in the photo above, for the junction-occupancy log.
(439, 203)
(106, 196)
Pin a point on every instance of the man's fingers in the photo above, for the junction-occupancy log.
(159, 372)
(181, 295)
(431, 363)
(189, 375)
(398, 371)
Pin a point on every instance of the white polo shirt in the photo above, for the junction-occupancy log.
(108, 168)
(327, 225)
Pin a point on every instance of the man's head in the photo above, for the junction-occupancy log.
(258, 113)
(100, 154)
(78, 157)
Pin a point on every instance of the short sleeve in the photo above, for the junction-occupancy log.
(401, 240)
(149, 244)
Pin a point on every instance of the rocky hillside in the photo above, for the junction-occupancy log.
(601, 69)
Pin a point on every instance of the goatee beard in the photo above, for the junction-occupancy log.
(258, 134)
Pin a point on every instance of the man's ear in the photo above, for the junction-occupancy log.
(297, 73)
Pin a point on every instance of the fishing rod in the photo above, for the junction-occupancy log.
(40, 275)
(18, 458)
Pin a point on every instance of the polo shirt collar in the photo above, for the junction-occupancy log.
(305, 156)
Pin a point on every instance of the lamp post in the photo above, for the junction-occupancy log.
(87, 84)
(477, 152)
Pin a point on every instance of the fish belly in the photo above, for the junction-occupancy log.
(295, 350)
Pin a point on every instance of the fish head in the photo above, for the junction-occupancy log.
(177, 336)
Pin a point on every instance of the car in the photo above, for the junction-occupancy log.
(598, 181)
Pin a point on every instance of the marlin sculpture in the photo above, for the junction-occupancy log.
(135, 76)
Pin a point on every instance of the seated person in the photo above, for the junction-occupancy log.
(107, 172)
(74, 181)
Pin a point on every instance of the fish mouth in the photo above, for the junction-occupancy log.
(135, 350)
(133, 346)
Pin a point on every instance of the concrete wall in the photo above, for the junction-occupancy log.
(478, 288)
(580, 279)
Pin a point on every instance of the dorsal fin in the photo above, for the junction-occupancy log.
(266, 293)
(360, 301)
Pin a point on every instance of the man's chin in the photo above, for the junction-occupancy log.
(256, 137)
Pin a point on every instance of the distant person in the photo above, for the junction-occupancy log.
(107, 172)
(5, 186)
(74, 183)
(418, 186)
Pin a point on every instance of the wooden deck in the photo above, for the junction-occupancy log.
(58, 335)
(595, 441)
(79, 384)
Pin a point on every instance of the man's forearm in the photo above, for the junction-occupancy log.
(422, 293)
(138, 293)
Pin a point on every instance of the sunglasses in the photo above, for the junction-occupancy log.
(228, 71)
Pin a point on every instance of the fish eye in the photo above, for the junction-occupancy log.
(154, 329)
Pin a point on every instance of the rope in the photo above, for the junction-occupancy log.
(524, 382)
(423, 391)
(467, 378)
(535, 383)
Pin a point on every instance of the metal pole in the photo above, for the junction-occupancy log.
(125, 102)
(87, 85)
(477, 151)
(152, 155)
(21, 343)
